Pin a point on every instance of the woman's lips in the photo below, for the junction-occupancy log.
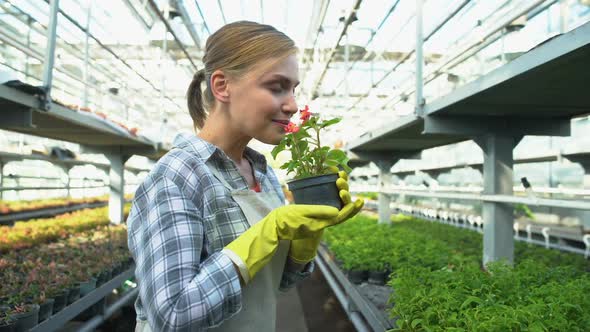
(281, 122)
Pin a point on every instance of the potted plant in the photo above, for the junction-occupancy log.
(7, 322)
(314, 165)
(26, 316)
(377, 272)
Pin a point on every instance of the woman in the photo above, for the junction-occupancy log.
(208, 230)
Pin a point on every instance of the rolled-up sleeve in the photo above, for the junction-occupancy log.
(178, 291)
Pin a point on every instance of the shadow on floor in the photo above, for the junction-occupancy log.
(321, 307)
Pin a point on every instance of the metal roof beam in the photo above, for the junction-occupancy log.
(178, 42)
(347, 23)
(190, 26)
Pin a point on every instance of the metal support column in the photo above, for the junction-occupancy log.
(69, 181)
(384, 179)
(1, 180)
(50, 51)
(583, 215)
(419, 59)
(28, 57)
(498, 218)
(117, 187)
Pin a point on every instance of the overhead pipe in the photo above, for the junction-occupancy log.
(190, 27)
(369, 41)
(146, 25)
(221, 11)
(347, 22)
(108, 49)
(409, 54)
(314, 28)
(178, 42)
(14, 42)
(202, 17)
(481, 43)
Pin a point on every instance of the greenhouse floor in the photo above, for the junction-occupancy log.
(321, 309)
(310, 307)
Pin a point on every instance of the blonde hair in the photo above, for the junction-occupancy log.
(235, 49)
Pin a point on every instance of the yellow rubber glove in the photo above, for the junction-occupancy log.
(304, 250)
(256, 246)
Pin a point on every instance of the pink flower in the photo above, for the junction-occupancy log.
(305, 114)
(291, 128)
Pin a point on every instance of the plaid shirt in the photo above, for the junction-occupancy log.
(181, 218)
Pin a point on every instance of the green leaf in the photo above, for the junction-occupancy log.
(344, 165)
(332, 162)
(470, 300)
(336, 154)
(277, 149)
(301, 134)
(416, 322)
(330, 122)
(302, 147)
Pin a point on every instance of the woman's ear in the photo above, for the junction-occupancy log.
(219, 86)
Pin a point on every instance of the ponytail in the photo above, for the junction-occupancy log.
(194, 97)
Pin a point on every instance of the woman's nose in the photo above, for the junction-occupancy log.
(290, 105)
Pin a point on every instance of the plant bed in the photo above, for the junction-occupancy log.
(29, 274)
(440, 284)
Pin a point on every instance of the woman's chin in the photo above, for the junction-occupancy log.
(271, 139)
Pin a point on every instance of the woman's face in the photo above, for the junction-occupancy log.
(262, 102)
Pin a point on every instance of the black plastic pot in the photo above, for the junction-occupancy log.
(87, 286)
(8, 327)
(74, 294)
(377, 277)
(316, 190)
(60, 300)
(45, 309)
(103, 277)
(356, 276)
(130, 262)
(116, 269)
(27, 320)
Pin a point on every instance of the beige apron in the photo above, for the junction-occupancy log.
(259, 297)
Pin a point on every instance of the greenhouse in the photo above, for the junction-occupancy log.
(294, 165)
